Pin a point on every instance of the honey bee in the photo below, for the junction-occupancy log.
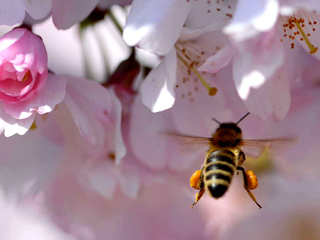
(224, 158)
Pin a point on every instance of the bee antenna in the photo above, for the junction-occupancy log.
(243, 117)
(216, 120)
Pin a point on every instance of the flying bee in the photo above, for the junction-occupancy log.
(223, 159)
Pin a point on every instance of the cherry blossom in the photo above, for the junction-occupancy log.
(259, 57)
(260, 76)
(147, 22)
(180, 66)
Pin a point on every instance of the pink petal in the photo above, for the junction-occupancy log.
(10, 38)
(11, 126)
(144, 135)
(66, 13)
(148, 21)
(90, 105)
(116, 111)
(24, 49)
(249, 19)
(158, 87)
(12, 12)
(280, 94)
(272, 97)
(38, 9)
(43, 102)
(218, 61)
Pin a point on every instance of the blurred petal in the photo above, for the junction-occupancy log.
(103, 181)
(158, 87)
(119, 146)
(12, 12)
(257, 60)
(89, 104)
(38, 9)
(67, 13)
(24, 222)
(43, 102)
(251, 18)
(148, 21)
(272, 97)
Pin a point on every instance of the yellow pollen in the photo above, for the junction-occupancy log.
(311, 47)
(25, 78)
(213, 91)
(33, 126)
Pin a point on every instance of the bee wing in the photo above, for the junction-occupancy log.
(255, 148)
(188, 144)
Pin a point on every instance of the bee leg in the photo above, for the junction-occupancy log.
(198, 196)
(242, 158)
(246, 186)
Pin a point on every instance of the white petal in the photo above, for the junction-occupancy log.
(158, 87)
(218, 61)
(204, 13)
(11, 126)
(66, 13)
(155, 25)
(38, 9)
(12, 12)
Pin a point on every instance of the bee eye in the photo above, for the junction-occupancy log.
(237, 141)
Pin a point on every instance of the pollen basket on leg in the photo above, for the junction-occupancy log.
(301, 26)
(190, 57)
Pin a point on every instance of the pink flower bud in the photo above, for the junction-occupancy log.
(23, 66)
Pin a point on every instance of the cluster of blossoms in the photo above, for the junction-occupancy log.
(83, 111)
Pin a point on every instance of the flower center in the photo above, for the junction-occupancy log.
(190, 57)
(301, 26)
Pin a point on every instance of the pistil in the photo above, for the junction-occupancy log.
(311, 47)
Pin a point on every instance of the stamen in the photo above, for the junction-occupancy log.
(211, 90)
(311, 47)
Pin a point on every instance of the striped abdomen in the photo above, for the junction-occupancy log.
(218, 172)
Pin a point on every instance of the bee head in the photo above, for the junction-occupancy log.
(227, 135)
